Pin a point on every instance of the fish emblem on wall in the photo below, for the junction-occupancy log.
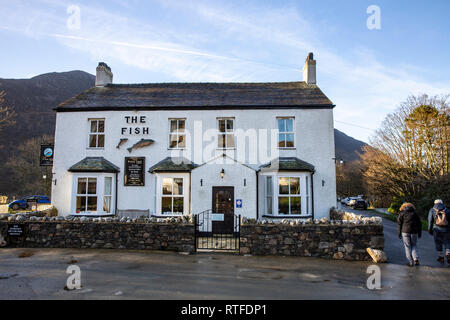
(141, 144)
(122, 142)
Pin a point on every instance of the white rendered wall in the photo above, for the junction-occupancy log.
(314, 143)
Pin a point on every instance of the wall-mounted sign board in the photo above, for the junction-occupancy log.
(46, 156)
(134, 172)
(217, 217)
(15, 230)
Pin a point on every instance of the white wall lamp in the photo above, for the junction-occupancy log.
(222, 173)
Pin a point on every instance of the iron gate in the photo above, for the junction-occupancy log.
(217, 231)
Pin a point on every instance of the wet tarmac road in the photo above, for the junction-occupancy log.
(113, 274)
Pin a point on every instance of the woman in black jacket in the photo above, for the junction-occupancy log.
(409, 229)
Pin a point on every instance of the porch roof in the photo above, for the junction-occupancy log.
(94, 164)
(288, 164)
(173, 164)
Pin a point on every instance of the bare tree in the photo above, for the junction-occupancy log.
(6, 114)
(26, 169)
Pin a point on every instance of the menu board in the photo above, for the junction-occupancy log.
(134, 172)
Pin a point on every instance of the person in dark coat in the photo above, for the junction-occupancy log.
(439, 228)
(409, 229)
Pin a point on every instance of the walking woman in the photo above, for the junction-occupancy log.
(409, 229)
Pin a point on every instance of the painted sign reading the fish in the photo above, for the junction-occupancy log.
(134, 129)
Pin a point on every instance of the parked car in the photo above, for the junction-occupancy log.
(345, 200)
(360, 204)
(23, 203)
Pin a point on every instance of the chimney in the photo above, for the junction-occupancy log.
(309, 70)
(104, 75)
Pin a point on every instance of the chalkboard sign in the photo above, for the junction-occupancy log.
(46, 156)
(15, 230)
(134, 172)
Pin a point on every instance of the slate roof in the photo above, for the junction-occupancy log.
(174, 96)
(169, 164)
(94, 164)
(288, 164)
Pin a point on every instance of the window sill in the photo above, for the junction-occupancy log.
(167, 215)
(96, 149)
(177, 149)
(225, 149)
(288, 216)
(294, 148)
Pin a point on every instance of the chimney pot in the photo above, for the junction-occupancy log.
(104, 75)
(309, 70)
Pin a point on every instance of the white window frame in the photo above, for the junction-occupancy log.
(159, 193)
(90, 133)
(226, 133)
(286, 132)
(289, 195)
(87, 195)
(305, 193)
(269, 195)
(177, 133)
(100, 193)
(107, 196)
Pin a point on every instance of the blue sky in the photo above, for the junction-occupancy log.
(366, 73)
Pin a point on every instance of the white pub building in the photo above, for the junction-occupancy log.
(168, 149)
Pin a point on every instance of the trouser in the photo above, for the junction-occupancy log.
(442, 240)
(410, 243)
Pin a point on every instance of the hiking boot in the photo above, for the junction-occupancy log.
(440, 260)
(409, 264)
(416, 263)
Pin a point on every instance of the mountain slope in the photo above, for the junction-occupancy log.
(347, 148)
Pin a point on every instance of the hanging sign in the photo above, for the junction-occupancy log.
(46, 156)
(135, 172)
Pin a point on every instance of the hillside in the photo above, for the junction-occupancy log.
(34, 99)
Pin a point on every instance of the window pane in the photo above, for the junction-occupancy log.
(221, 125)
(307, 185)
(221, 142)
(295, 205)
(269, 205)
(93, 141)
(178, 205)
(284, 185)
(269, 186)
(108, 186)
(92, 204)
(173, 125)
(81, 204)
(101, 141)
(283, 205)
(289, 125)
(178, 186)
(166, 205)
(92, 186)
(230, 141)
(181, 125)
(167, 186)
(229, 125)
(81, 186)
(282, 141)
(107, 204)
(281, 125)
(181, 141)
(101, 126)
(295, 185)
(93, 126)
(173, 141)
(289, 141)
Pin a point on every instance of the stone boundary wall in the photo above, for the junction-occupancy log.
(346, 239)
(145, 235)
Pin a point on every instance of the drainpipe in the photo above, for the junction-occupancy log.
(312, 194)
(117, 194)
(257, 196)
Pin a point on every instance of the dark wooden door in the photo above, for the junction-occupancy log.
(223, 202)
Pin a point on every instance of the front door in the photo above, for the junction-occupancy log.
(223, 202)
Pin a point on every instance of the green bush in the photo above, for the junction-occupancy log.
(395, 205)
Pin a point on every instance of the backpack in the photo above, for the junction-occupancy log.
(440, 219)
